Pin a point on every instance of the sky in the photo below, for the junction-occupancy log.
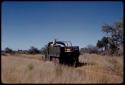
(26, 24)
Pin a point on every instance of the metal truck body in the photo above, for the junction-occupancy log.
(62, 52)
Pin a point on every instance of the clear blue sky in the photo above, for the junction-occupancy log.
(26, 24)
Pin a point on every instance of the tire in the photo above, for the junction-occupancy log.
(55, 60)
(50, 58)
(75, 64)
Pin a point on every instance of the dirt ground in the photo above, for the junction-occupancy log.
(31, 69)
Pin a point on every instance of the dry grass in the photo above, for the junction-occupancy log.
(31, 69)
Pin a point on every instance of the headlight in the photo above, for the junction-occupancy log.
(67, 50)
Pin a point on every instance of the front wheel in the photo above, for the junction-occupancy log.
(55, 60)
(75, 64)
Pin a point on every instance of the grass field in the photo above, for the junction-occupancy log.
(31, 69)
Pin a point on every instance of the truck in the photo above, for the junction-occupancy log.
(62, 52)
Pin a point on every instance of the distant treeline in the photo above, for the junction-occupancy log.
(32, 50)
(110, 44)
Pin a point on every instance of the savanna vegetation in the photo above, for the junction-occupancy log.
(102, 63)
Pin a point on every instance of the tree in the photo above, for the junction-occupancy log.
(105, 42)
(114, 37)
(9, 50)
(44, 50)
(33, 50)
(99, 44)
(107, 29)
(115, 31)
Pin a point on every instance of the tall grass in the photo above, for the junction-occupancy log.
(98, 69)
